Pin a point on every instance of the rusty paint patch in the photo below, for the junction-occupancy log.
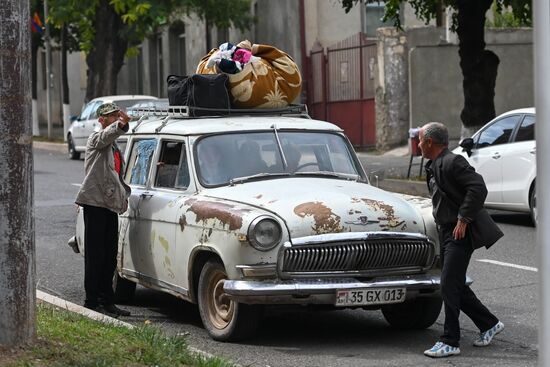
(183, 222)
(387, 209)
(225, 213)
(325, 220)
(258, 197)
(355, 200)
(272, 201)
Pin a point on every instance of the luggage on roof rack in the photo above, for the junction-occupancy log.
(185, 112)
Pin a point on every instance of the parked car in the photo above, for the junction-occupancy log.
(504, 153)
(86, 122)
(241, 211)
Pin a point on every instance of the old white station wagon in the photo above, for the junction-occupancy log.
(268, 207)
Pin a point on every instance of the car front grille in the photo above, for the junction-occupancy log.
(368, 257)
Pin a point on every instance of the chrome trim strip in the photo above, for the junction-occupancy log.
(155, 282)
(354, 236)
(263, 270)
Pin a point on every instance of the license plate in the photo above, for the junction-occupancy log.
(370, 296)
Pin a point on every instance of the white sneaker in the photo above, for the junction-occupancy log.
(486, 337)
(440, 350)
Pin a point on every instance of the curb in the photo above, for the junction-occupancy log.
(73, 307)
(415, 188)
(57, 147)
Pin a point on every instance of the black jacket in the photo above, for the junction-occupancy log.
(463, 186)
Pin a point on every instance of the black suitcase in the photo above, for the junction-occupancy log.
(204, 94)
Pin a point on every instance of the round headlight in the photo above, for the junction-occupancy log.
(264, 233)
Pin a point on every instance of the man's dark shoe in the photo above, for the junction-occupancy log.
(115, 310)
(102, 309)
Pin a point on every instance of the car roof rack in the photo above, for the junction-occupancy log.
(188, 112)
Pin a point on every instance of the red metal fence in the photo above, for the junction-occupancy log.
(341, 87)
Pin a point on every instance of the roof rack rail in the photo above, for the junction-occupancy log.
(185, 112)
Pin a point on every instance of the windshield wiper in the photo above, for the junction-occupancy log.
(257, 176)
(346, 176)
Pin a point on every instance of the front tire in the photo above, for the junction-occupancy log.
(72, 153)
(533, 205)
(224, 319)
(420, 313)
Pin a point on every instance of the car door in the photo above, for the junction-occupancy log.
(78, 131)
(491, 144)
(158, 211)
(135, 256)
(519, 166)
(91, 123)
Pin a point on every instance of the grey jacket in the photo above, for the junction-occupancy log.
(102, 186)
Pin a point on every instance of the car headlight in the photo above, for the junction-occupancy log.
(264, 233)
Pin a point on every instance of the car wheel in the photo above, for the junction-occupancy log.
(73, 154)
(223, 318)
(420, 313)
(533, 205)
(124, 289)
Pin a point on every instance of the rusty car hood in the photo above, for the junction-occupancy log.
(311, 206)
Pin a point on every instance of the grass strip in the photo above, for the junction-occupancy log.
(69, 339)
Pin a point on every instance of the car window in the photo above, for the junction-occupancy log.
(526, 130)
(140, 160)
(498, 133)
(89, 109)
(172, 171)
(220, 158)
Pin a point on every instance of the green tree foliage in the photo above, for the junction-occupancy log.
(108, 30)
(479, 66)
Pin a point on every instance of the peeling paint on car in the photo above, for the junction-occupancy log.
(183, 222)
(164, 243)
(258, 197)
(225, 213)
(325, 220)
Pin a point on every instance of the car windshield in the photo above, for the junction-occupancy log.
(229, 158)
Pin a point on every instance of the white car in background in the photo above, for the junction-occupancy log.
(86, 122)
(504, 153)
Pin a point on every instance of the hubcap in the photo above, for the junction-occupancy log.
(220, 307)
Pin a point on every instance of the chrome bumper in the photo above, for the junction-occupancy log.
(323, 290)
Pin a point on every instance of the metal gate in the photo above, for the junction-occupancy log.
(342, 87)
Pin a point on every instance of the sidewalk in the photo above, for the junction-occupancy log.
(389, 171)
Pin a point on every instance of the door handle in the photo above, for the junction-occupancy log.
(496, 156)
(533, 151)
(146, 195)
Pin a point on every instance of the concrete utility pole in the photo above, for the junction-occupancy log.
(541, 21)
(17, 267)
(48, 70)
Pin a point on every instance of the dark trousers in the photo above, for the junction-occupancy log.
(457, 296)
(100, 255)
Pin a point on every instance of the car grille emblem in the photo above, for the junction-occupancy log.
(362, 221)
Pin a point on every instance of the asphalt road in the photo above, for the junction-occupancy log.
(300, 336)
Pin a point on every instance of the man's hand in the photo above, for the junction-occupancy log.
(460, 230)
(123, 118)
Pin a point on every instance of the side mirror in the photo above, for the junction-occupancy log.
(376, 176)
(467, 144)
(73, 118)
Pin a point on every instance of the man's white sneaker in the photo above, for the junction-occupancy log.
(486, 337)
(440, 350)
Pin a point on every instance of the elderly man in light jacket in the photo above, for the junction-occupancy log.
(103, 195)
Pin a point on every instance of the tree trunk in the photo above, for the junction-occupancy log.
(479, 66)
(107, 55)
(17, 261)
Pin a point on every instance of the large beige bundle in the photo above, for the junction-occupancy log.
(272, 81)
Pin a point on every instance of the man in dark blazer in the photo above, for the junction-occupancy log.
(458, 194)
